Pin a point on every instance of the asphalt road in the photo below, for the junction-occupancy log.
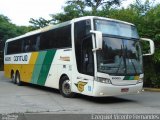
(35, 99)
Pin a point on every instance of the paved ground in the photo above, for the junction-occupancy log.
(34, 99)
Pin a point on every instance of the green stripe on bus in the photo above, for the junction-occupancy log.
(128, 78)
(46, 67)
(131, 78)
(38, 66)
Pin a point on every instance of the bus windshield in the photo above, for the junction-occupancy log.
(121, 53)
(119, 57)
(116, 28)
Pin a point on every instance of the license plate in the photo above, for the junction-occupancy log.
(124, 89)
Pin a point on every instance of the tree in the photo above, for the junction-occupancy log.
(94, 5)
(9, 30)
(39, 23)
(76, 8)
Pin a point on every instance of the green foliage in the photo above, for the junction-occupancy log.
(71, 12)
(77, 8)
(93, 5)
(41, 22)
(9, 30)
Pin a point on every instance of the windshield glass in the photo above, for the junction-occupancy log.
(120, 56)
(116, 28)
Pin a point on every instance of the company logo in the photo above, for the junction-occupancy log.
(80, 85)
(21, 58)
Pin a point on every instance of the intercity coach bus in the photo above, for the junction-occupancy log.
(91, 55)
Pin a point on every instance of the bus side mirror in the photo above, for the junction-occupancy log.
(99, 40)
(152, 47)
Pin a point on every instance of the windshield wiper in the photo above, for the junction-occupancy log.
(131, 61)
(134, 67)
(120, 63)
(119, 66)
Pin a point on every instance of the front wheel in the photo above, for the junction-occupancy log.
(65, 87)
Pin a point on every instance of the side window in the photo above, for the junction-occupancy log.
(63, 36)
(9, 48)
(28, 44)
(6, 48)
(31, 43)
(56, 38)
(46, 40)
(14, 47)
(83, 47)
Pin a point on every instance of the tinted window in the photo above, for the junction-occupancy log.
(27, 44)
(116, 28)
(120, 57)
(57, 38)
(31, 43)
(83, 47)
(14, 47)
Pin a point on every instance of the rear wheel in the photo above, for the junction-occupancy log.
(13, 78)
(18, 80)
(65, 87)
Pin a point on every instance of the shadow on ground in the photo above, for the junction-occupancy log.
(98, 100)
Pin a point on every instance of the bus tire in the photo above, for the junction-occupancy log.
(13, 77)
(65, 87)
(18, 80)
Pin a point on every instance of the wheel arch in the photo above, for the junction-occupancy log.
(12, 72)
(60, 79)
(17, 72)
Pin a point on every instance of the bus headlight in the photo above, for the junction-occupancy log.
(140, 80)
(103, 80)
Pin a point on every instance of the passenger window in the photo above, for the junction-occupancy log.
(31, 43)
(14, 47)
(56, 38)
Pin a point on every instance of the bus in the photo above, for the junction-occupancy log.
(93, 56)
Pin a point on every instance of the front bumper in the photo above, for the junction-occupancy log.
(102, 90)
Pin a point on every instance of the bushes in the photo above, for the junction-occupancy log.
(1, 66)
(151, 73)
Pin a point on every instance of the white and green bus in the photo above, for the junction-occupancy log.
(91, 55)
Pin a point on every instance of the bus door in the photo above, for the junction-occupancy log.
(86, 67)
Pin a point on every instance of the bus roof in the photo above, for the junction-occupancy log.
(50, 27)
(103, 18)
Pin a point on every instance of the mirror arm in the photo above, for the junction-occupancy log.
(96, 49)
(98, 39)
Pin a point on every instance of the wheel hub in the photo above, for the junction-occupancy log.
(66, 87)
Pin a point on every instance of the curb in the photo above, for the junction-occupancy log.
(152, 89)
